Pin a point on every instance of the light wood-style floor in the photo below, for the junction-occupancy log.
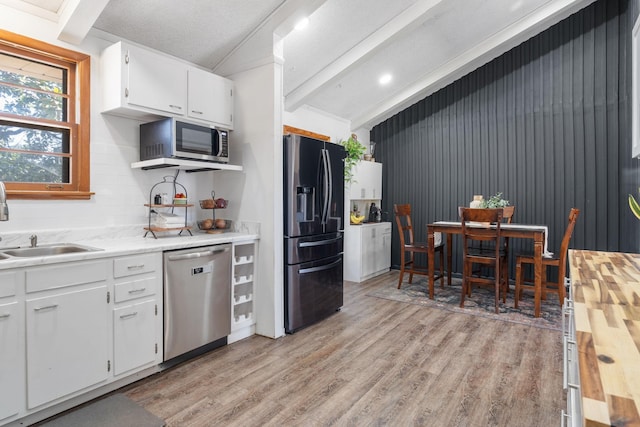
(376, 362)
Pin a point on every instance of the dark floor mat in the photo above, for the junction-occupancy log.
(116, 410)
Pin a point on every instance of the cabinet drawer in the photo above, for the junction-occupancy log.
(132, 265)
(135, 289)
(8, 283)
(65, 274)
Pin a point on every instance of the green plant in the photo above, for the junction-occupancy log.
(635, 207)
(495, 201)
(355, 151)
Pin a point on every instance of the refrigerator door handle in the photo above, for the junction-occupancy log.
(319, 242)
(325, 187)
(330, 179)
(320, 268)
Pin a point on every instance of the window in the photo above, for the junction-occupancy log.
(44, 119)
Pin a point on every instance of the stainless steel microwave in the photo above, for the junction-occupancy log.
(175, 138)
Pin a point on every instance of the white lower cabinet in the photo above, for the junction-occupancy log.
(69, 328)
(67, 343)
(11, 345)
(134, 338)
(367, 251)
(137, 316)
(11, 353)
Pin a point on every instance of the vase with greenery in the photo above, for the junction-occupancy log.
(495, 201)
(355, 150)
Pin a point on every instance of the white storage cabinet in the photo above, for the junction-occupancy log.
(210, 98)
(12, 347)
(243, 291)
(143, 84)
(137, 313)
(367, 251)
(367, 181)
(139, 82)
(66, 328)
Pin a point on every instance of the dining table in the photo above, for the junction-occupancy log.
(537, 233)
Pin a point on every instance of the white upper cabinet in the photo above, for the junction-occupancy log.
(210, 98)
(142, 84)
(367, 181)
(154, 82)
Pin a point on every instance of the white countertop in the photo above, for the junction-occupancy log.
(125, 246)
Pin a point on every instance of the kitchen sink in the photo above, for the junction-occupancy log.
(47, 250)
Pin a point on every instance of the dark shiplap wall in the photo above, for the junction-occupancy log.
(547, 124)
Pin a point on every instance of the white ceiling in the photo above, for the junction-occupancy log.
(334, 64)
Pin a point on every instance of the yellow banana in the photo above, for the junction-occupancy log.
(635, 207)
(355, 219)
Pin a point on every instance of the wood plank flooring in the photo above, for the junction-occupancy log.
(376, 362)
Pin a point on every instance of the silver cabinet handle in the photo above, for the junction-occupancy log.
(197, 112)
(46, 307)
(137, 291)
(175, 106)
(4, 316)
(127, 316)
(136, 267)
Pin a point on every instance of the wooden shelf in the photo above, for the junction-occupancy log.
(186, 165)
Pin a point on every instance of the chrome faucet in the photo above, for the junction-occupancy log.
(34, 240)
(4, 209)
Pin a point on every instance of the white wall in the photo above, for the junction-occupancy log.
(120, 191)
(257, 145)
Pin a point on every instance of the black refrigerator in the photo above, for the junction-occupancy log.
(313, 230)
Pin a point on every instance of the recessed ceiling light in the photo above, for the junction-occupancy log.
(384, 79)
(302, 24)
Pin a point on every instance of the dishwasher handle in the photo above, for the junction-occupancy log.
(196, 254)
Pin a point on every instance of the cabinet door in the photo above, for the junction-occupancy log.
(210, 98)
(11, 376)
(134, 334)
(368, 251)
(383, 258)
(367, 181)
(156, 82)
(67, 343)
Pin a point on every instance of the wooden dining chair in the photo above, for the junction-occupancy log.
(485, 229)
(559, 261)
(507, 216)
(409, 246)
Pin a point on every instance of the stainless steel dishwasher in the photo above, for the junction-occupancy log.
(197, 298)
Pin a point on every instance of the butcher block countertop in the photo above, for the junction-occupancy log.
(606, 293)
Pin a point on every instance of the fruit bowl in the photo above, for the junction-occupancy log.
(205, 224)
(214, 225)
(207, 204)
(180, 201)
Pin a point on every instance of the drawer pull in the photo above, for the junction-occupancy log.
(127, 316)
(135, 267)
(46, 307)
(4, 316)
(137, 291)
